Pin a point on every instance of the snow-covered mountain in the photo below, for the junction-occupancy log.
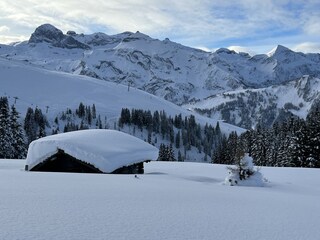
(265, 106)
(58, 94)
(177, 73)
(31, 86)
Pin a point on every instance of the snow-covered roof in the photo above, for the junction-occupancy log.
(106, 150)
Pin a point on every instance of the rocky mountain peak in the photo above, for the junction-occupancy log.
(225, 50)
(46, 33)
(279, 50)
(50, 34)
(138, 34)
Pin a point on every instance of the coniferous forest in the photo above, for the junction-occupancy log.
(182, 133)
(293, 142)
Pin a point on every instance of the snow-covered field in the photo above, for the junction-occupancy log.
(171, 201)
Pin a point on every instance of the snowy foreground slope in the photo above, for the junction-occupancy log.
(171, 201)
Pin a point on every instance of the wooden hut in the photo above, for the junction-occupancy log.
(90, 151)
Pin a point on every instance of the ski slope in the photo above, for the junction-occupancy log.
(184, 201)
(35, 86)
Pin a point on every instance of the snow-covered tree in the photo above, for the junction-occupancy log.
(6, 149)
(259, 146)
(170, 153)
(162, 152)
(30, 126)
(41, 123)
(244, 173)
(18, 138)
(313, 124)
(166, 153)
(35, 124)
(94, 111)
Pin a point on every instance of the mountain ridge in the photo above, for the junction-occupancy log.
(177, 73)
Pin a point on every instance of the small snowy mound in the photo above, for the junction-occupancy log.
(244, 174)
(106, 150)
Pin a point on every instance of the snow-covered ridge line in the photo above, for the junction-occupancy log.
(169, 70)
(245, 107)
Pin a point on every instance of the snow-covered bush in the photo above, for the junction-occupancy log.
(244, 173)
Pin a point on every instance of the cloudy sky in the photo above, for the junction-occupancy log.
(254, 26)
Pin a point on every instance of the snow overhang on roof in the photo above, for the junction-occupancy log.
(106, 150)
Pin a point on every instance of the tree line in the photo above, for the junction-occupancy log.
(83, 117)
(181, 133)
(35, 124)
(16, 135)
(295, 142)
(291, 143)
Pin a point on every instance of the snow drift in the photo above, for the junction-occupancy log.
(172, 200)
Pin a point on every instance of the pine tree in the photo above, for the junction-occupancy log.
(178, 140)
(259, 147)
(244, 143)
(270, 154)
(156, 122)
(98, 122)
(40, 123)
(171, 134)
(178, 121)
(274, 144)
(94, 112)
(162, 153)
(313, 124)
(149, 136)
(81, 110)
(180, 159)
(299, 146)
(243, 170)
(147, 120)
(30, 126)
(6, 149)
(220, 154)
(89, 115)
(184, 138)
(163, 124)
(170, 153)
(218, 130)
(18, 140)
(231, 149)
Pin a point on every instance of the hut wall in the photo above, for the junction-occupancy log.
(132, 169)
(61, 162)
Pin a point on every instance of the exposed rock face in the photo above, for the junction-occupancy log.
(70, 42)
(46, 33)
(50, 34)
